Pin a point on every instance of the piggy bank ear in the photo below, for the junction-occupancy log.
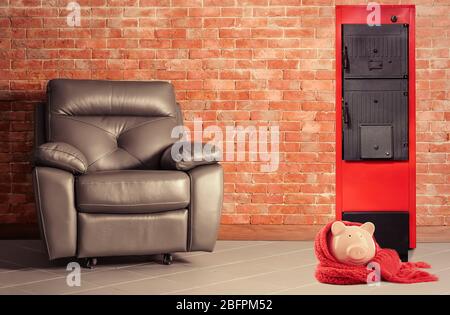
(337, 228)
(369, 227)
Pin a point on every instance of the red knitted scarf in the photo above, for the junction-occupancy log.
(331, 271)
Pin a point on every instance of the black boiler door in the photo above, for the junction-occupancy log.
(375, 92)
(375, 51)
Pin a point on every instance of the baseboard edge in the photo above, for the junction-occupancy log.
(275, 232)
(248, 232)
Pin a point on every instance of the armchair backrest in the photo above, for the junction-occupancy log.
(115, 124)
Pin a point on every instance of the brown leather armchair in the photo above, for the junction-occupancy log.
(105, 181)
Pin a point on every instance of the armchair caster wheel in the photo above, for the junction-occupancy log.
(167, 259)
(90, 263)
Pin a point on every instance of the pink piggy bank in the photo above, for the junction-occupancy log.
(352, 244)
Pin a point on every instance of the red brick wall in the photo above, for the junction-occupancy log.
(232, 62)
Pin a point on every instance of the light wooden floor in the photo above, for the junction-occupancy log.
(236, 267)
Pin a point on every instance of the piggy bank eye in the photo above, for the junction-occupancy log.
(349, 235)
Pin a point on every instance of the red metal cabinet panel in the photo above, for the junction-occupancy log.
(377, 185)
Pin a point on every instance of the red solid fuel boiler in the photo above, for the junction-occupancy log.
(375, 121)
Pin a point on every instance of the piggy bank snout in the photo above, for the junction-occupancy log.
(357, 252)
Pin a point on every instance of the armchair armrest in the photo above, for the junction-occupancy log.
(184, 156)
(62, 156)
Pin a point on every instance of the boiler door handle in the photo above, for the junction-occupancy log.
(346, 62)
(346, 115)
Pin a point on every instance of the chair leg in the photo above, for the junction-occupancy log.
(167, 259)
(90, 263)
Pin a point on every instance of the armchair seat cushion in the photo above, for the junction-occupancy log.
(132, 191)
